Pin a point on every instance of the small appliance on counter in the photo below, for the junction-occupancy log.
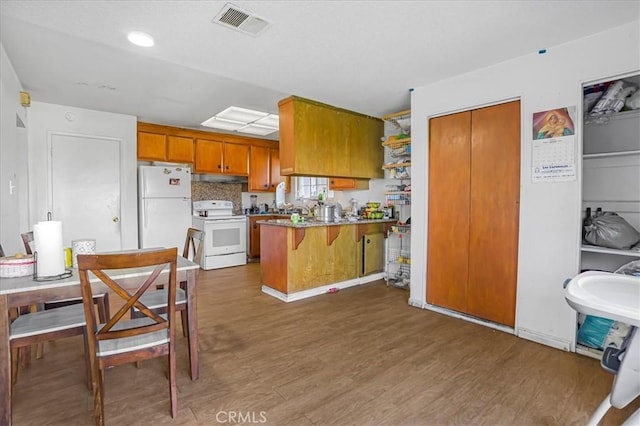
(254, 209)
(225, 234)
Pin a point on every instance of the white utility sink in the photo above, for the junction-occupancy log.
(607, 295)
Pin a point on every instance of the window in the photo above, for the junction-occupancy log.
(308, 188)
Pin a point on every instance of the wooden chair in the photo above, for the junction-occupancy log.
(101, 300)
(42, 326)
(193, 250)
(119, 340)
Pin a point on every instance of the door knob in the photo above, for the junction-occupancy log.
(115, 219)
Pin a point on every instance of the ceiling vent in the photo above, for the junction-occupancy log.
(242, 20)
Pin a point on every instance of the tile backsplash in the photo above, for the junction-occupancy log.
(230, 191)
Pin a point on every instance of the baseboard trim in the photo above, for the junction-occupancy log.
(544, 339)
(312, 292)
(450, 313)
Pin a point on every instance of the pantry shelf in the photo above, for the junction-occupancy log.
(396, 165)
(604, 250)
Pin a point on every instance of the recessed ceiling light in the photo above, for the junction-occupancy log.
(256, 129)
(270, 120)
(241, 114)
(140, 39)
(220, 123)
(244, 120)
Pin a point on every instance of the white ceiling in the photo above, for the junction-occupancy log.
(359, 55)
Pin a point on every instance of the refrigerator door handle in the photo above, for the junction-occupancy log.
(145, 218)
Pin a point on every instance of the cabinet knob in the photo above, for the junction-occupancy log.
(255, 226)
(266, 185)
(219, 166)
(227, 167)
(368, 241)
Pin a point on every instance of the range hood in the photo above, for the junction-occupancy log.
(207, 177)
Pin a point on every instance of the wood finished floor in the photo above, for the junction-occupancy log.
(361, 356)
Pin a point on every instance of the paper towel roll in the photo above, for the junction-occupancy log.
(47, 237)
(82, 247)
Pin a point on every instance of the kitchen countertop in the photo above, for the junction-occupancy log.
(311, 223)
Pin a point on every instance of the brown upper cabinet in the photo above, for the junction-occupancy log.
(264, 173)
(156, 145)
(208, 152)
(219, 157)
(322, 140)
(341, 184)
(152, 146)
(180, 149)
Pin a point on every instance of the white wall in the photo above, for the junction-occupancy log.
(549, 212)
(45, 118)
(13, 160)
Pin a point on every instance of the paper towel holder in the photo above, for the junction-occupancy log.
(66, 274)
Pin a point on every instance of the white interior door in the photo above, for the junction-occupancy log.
(85, 189)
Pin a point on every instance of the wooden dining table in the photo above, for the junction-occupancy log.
(26, 291)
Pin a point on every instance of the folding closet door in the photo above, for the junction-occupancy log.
(494, 212)
(448, 240)
(474, 189)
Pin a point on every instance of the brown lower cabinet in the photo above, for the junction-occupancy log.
(474, 193)
(254, 234)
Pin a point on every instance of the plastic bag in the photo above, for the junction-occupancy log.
(631, 268)
(593, 332)
(612, 231)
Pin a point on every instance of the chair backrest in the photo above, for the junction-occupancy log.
(153, 262)
(27, 239)
(194, 244)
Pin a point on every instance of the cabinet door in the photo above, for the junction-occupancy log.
(179, 149)
(254, 236)
(259, 169)
(208, 158)
(363, 135)
(340, 184)
(274, 167)
(152, 146)
(373, 260)
(236, 159)
(494, 209)
(448, 220)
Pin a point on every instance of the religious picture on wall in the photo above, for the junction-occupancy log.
(552, 124)
(553, 145)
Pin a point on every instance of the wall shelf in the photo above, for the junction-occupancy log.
(605, 250)
(611, 154)
(397, 165)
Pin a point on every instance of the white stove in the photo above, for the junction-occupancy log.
(225, 234)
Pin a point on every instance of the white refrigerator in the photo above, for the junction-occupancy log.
(164, 213)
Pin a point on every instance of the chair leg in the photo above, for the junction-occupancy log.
(39, 346)
(14, 365)
(97, 384)
(185, 324)
(87, 361)
(103, 308)
(25, 356)
(173, 389)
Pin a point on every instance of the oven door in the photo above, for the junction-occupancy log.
(225, 236)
